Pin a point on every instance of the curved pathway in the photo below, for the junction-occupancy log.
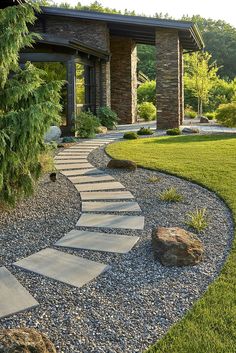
(102, 198)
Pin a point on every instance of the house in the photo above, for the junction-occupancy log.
(99, 56)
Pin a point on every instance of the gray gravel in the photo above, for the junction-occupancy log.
(133, 304)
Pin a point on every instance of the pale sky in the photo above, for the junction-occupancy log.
(215, 9)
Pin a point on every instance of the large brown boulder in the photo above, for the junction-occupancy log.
(122, 163)
(24, 340)
(176, 247)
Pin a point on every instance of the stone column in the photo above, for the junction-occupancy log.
(124, 78)
(103, 87)
(168, 78)
(181, 81)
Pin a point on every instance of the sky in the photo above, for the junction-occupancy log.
(215, 9)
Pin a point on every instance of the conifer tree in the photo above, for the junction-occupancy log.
(28, 106)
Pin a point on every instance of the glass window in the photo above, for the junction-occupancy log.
(57, 71)
(85, 88)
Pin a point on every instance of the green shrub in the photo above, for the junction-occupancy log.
(130, 135)
(146, 92)
(107, 117)
(171, 195)
(190, 113)
(226, 114)
(86, 124)
(145, 131)
(197, 219)
(172, 132)
(211, 115)
(147, 111)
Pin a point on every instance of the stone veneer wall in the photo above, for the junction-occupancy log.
(169, 78)
(124, 78)
(92, 33)
(103, 87)
(181, 76)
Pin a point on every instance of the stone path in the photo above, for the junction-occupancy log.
(80, 239)
(13, 296)
(101, 196)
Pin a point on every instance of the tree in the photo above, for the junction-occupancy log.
(200, 76)
(28, 106)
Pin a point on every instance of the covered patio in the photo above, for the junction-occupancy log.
(105, 47)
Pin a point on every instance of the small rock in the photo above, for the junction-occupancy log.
(53, 134)
(53, 177)
(25, 340)
(176, 247)
(204, 120)
(101, 130)
(122, 163)
(189, 130)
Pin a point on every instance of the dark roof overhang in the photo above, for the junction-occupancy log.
(73, 44)
(141, 29)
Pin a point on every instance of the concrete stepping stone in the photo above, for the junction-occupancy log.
(71, 158)
(105, 195)
(103, 206)
(79, 239)
(90, 171)
(71, 161)
(65, 166)
(73, 154)
(110, 221)
(90, 179)
(82, 148)
(13, 296)
(99, 186)
(62, 267)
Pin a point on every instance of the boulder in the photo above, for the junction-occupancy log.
(204, 120)
(101, 130)
(190, 130)
(176, 247)
(122, 164)
(53, 134)
(25, 340)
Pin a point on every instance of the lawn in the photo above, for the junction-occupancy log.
(210, 160)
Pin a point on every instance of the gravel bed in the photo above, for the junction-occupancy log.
(134, 303)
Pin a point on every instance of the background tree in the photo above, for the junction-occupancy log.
(28, 106)
(200, 76)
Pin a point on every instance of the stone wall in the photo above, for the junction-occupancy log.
(103, 87)
(92, 33)
(169, 78)
(124, 78)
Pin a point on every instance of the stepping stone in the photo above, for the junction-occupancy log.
(79, 239)
(104, 206)
(110, 221)
(100, 186)
(90, 171)
(13, 296)
(73, 154)
(82, 148)
(62, 267)
(71, 158)
(65, 166)
(106, 195)
(71, 161)
(90, 179)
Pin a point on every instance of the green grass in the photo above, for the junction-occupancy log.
(210, 326)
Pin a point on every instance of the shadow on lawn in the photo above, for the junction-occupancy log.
(189, 138)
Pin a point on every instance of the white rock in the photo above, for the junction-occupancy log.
(53, 134)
